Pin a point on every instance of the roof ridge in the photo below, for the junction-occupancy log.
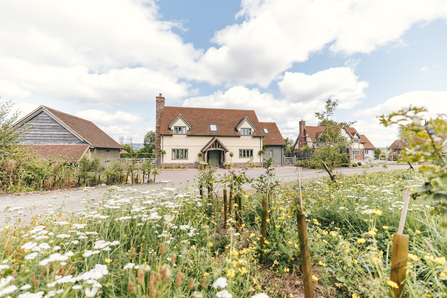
(210, 108)
(48, 108)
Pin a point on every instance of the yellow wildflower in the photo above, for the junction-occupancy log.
(333, 234)
(413, 257)
(361, 240)
(321, 263)
(377, 260)
(392, 284)
(231, 273)
(210, 244)
(107, 260)
(385, 227)
(372, 233)
(314, 278)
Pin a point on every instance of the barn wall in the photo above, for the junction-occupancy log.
(44, 130)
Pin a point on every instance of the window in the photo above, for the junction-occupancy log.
(213, 127)
(246, 131)
(246, 153)
(266, 130)
(271, 153)
(356, 140)
(356, 152)
(179, 153)
(181, 130)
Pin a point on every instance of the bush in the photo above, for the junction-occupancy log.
(355, 165)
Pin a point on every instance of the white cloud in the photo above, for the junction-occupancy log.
(425, 68)
(340, 82)
(276, 34)
(101, 51)
(434, 101)
(380, 136)
(103, 118)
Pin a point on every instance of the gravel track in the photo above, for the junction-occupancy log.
(72, 200)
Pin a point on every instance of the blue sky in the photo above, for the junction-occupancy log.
(106, 61)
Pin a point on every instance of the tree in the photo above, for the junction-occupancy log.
(427, 149)
(377, 153)
(405, 134)
(289, 145)
(149, 143)
(9, 135)
(330, 143)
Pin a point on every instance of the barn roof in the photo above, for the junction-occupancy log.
(81, 128)
(69, 153)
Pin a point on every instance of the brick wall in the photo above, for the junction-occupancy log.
(160, 105)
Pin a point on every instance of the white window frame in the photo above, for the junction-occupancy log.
(271, 153)
(215, 125)
(245, 153)
(179, 154)
(246, 131)
(180, 130)
(355, 152)
(266, 131)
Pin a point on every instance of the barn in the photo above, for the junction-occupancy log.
(56, 135)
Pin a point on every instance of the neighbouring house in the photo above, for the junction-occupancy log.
(189, 136)
(56, 135)
(361, 148)
(397, 146)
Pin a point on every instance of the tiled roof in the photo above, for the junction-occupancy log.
(69, 153)
(201, 118)
(368, 144)
(314, 131)
(398, 145)
(274, 136)
(86, 129)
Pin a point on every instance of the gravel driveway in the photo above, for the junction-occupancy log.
(72, 200)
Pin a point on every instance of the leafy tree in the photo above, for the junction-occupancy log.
(149, 143)
(377, 153)
(406, 135)
(330, 142)
(9, 135)
(427, 149)
(306, 148)
(289, 145)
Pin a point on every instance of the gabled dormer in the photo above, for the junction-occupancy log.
(179, 126)
(245, 127)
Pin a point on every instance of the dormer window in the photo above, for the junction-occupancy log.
(213, 127)
(180, 130)
(246, 131)
(266, 130)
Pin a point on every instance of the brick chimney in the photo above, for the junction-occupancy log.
(302, 137)
(160, 105)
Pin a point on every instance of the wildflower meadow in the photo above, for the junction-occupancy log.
(176, 243)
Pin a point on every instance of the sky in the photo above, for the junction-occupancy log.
(106, 61)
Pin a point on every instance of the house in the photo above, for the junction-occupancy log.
(361, 148)
(56, 135)
(189, 136)
(397, 146)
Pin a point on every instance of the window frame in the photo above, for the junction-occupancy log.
(245, 153)
(265, 129)
(176, 152)
(178, 129)
(354, 151)
(244, 130)
(271, 154)
(215, 126)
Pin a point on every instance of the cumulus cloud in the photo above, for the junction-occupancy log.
(340, 82)
(102, 51)
(276, 34)
(434, 101)
(103, 118)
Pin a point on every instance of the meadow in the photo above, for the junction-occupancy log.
(175, 244)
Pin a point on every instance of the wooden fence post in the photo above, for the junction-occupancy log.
(399, 255)
(304, 245)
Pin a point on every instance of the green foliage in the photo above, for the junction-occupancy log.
(377, 153)
(427, 150)
(9, 135)
(149, 143)
(330, 142)
(289, 145)
(306, 148)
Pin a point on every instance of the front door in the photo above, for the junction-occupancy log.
(214, 158)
